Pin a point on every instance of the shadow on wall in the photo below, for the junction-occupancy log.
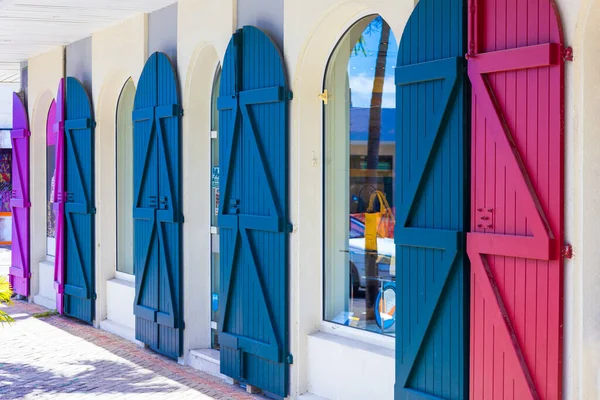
(20, 380)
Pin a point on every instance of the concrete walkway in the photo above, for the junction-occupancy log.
(61, 358)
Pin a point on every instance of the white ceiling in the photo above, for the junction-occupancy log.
(32, 27)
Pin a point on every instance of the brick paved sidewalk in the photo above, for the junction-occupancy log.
(61, 358)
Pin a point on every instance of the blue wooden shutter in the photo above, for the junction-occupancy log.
(253, 213)
(432, 195)
(79, 288)
(157, 208)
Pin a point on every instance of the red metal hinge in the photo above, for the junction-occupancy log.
(568, 54)
(567, 251)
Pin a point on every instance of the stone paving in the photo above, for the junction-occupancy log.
(60, 358)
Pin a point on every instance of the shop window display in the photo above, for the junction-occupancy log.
(360, 157)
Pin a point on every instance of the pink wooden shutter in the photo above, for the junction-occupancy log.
(516, 71)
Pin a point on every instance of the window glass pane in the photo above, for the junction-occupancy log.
(360, 154)
(50, 187)
(125, 179)
(215, 175)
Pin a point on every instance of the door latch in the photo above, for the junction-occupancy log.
(163, 203)
(567, 251)
(568, 54)
(324, 97)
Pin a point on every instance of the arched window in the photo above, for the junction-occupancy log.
(360, 154)
(51, 139)
(214, 162)
(124, 178)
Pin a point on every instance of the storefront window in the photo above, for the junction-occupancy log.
(360, 155)
(124, 142)
(214, 212)
(50, 181)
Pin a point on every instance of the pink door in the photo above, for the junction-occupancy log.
(516, 71)
(19, 203)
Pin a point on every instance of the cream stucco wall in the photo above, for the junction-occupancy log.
(45, 71)
(205, 27)
(118, 54)
(311, 31)
(582, 300)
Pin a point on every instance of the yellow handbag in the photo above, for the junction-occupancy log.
(374, 221)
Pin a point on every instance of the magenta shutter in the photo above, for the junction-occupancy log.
(516, 68)
(59, 200)
(19, 267)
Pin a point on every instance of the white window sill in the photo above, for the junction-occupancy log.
(125, 277)
(359, 335)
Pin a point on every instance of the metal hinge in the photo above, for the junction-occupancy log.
(95, 296)
(181, 112)
(289, 359)
(567, 251)
(568, 54)
(324, 97)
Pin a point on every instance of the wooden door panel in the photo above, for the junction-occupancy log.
(516, 71)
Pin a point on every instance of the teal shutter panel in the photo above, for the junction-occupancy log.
(432, 196)
(253, 213)
(157, 208)
(79, 285)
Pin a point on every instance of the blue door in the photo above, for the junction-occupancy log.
(432, 145)
(253, 213)
(79, 286)
(157, 208)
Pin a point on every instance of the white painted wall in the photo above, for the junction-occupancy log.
(205, 27)
(582, 188)
(45, 71)
(118, 54)
(311, 31)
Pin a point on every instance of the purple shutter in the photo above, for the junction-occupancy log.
(19, 203)
(59, 200)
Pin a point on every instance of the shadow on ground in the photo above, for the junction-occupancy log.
(20, 380)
